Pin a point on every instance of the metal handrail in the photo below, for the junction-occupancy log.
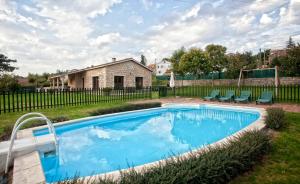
(18, 125)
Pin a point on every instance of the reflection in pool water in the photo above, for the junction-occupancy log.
(107, 144)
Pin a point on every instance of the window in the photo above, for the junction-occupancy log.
(139, 82)
(119, 82)
(95, 82)
(82, 82)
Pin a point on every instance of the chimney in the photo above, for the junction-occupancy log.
(114, 59)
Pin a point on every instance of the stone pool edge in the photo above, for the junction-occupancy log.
(35, 174)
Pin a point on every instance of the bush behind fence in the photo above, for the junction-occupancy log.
(27, 100)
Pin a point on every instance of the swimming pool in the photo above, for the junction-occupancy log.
(113, 142)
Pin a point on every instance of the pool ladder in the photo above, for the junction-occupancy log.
(19, 123)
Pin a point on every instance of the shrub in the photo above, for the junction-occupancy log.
(127, 107)
(107, 90)
(218, 164)
(60, 119)
(275, 118)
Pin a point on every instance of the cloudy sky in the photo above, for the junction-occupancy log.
(45, 35)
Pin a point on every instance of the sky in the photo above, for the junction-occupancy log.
(46, 35)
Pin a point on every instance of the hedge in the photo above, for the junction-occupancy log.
(215, 165)
(123, 108)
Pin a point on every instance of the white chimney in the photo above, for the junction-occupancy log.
(114, 59)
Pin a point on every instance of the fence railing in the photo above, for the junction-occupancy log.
(29, 100)
(285, 93)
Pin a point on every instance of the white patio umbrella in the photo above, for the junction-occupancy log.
(172, 80)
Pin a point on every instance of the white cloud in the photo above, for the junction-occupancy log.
(105, 39)
(265, 19)
(192, 13)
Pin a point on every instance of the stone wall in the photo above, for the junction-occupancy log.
(130, 70)
(246, 82)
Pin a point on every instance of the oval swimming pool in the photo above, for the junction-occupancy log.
(115, 142)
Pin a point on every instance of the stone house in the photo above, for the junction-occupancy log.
(116, 74)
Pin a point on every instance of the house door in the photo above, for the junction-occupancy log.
(119, 82)
(139, 82)
(95, 82)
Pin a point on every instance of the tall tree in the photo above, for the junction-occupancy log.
(290, 43)
(195, 62)
(216, 57)
(143, 60)
(5, 64)
(175, 59)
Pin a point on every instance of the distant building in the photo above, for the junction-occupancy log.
(152, 67)
(116, 74)
(162, 67)
(276, 53)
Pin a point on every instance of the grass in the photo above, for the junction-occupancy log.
(72, 112)
(282, 165)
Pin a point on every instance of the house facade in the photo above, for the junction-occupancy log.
(162, 67)
(116, 74)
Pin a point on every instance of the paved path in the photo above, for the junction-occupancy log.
(291, 107)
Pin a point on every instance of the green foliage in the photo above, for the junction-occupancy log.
(218, 164)
(127, 107)
(275, 118)
(9, 82)
(156, 82)
(60, 118)
(107, 90)
(143, 60)
(39, 80)
(290, 43)
(289, 65)
(195, 62)
(175, 59)
(216, 56)
(5, 64)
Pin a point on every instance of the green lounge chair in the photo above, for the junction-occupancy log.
(266, 97)
(228, 96)
(244, 97)
(213, 95)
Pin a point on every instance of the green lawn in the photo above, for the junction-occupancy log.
(282, 165)
(72, 112)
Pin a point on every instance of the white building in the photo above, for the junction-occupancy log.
(162, 67)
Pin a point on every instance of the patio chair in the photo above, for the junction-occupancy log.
(266, 97)
(213, 95)
(244, 97)
(228, 96)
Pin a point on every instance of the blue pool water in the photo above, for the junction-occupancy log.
(115, 142)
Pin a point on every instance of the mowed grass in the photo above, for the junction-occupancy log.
(282, 165)
(72, 112)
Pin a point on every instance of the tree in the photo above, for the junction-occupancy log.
(5, 64)
(290, 43)
(175, 59)
(143, 60)
(293, 57)
(39, 80)
(216, 57)
(9, 82)
(195, 62)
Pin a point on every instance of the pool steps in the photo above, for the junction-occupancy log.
(13, 148)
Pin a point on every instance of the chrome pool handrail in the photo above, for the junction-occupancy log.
(18, 125)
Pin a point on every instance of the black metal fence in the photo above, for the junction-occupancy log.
(27, 100)
(283, 93)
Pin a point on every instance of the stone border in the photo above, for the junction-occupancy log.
(257, 125)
